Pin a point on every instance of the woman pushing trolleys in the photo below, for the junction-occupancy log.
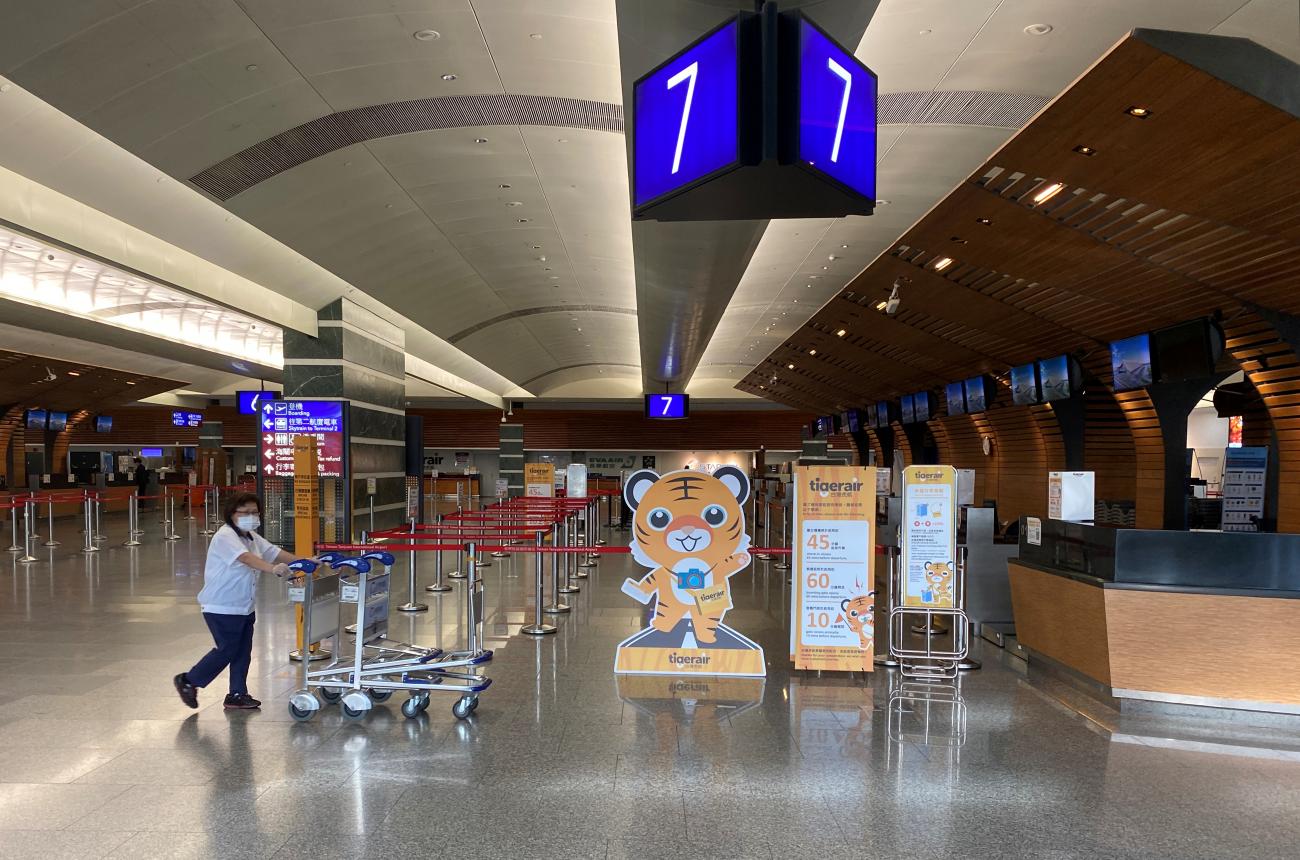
(237, 557)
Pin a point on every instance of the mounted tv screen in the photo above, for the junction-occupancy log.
(1024, 385)
(1130, 362)
(905, 412)
(921, 407)
(882, 414)
(1056, 379)
(853, 419)
(1187, 351)
(976, 400)
(103, 423)
(57, 422)
(150, 452)
(250, 402)
(35, 419)
(952, 392)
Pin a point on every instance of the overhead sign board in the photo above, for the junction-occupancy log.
(187, 419)
(667, 406)
(283, 420)
(837, 112)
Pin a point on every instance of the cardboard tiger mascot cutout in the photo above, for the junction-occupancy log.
(688, 527)
(938, 582)
(860, 614)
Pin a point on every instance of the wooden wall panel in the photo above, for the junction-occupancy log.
(958, 440)
(1061, 618)
(1148, 459)
(9, 423)
(59, 452)
(152, 425)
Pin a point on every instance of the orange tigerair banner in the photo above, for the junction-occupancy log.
(832, 605)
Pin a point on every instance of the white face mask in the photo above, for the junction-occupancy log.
(247, 522)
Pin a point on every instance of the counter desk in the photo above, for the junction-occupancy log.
(1207, 619)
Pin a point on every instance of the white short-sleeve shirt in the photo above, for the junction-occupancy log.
(230, 586)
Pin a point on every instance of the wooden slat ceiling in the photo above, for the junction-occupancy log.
(1193, 210)
(76, 386)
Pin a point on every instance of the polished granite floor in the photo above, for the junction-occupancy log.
(98, 758)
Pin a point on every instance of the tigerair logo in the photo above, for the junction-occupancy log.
(929, 476)
(825, 488)
(688, 687)
(688, 659)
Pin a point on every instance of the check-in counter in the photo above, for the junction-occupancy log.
(1196, 618)
(453, 486)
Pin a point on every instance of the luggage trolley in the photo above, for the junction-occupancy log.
(358, 683)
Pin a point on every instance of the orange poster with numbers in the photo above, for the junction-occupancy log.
(832, 605)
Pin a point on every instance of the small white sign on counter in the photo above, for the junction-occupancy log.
(1033, 531)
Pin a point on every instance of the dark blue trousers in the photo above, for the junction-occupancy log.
(234, 637)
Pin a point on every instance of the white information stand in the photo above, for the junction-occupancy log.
(1070, 496)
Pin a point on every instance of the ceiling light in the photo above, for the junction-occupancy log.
(1048, 193)
(561, 140)
(449, 77)
(1085, 150)
(521, 221)
(832, 257)
(881, 305)
(1038, 29)
(515, 203)
(1137, 111)
(251, 67)
(812, 352)
(824, 268)
(958, 240)
(129, 382)
(882, 202)
(841, 333)
(925, 32)
(843, 246)
(984, 221)
(943, 263)
(504, 185)
(534, 35)
(789, 367)
(426, 35)
(73, 373)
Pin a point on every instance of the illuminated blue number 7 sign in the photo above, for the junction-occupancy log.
(689, 75)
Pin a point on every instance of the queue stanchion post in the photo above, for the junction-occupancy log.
(169, 517)
(538, 627)
(555, 607)
(411, 604)
(783, 561)
(471, 594)
(767, 530)
(88, 514)
(29, 532)
(14, 546)
(588, 538)
(189, 503)
(459, 572)
(49, 502)
(132, 519)
(100, 537)
(207, 512)
(438, 586)
(892, 590)
(569, 535)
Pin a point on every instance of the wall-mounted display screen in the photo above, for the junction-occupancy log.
(686, 117)
(837, 112)
(1187, 351)
(250, 402)
(187, 419)
(852, 418)
(35, 419)
(1024, 385)
(921, 407)
(976, 399)
(1056, 378)
(57, 422)
(667, 407)
(905, 410)
(1130, 362)
(953, 393)
(151, 452)
(882, 414)
(103, 423)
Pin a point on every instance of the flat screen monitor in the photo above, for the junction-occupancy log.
(853, 419)
(35, 419)
(249, 402)
(953, 393)
(976, 396)
(57, 422)
(921, 407)
(103, 423)
(187, 419)
(882, 414)
(686, 117)
(1024, 385)
(905, 410)
(1056, 379)
(1187, 351)
(151, 452)
(667, 407)
(1130, 362)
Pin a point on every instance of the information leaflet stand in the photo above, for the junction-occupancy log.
(832, 610)
(539, 480)
(929, 581)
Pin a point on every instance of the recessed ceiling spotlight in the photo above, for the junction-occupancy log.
(504, 185)
(73, 373)
(958, 240)
(251, 67)
(843, 246)
(534, 35)
(832, 257)
(449, 77)
(1085, 150)
(841, 333)
(521, 221)
(1138, 111)
(984, 221)
(789, 367)
(881, 305)
(541, 259)
(426, 35)
(561, 140)
(480, 140)
(129, 382)
(942, 263)
(1038, 29)
(824, 268)
(515, 203)
(1048, 193)
(882, 202)
(924, 32)
(812, 352)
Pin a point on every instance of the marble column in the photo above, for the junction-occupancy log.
(511, 467)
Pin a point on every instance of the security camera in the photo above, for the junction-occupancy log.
(895, 300)
(50, 375)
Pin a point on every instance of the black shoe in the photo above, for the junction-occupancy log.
(188, 692)
(241, 702)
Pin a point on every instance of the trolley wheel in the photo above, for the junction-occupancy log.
(352, 713)
(331, 694)
(302, 715)
(411, 708)
(463, 708)
(380, 695)
(473, 705)
(424, 701)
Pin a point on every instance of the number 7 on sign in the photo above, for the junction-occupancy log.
(842, 73)
(689, 74)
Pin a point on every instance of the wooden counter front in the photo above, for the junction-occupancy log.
(1191, 645)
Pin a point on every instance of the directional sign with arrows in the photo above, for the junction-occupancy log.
(282, 420)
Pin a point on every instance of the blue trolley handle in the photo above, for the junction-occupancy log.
(304, 565)
(331, 557)
(358, 564)
(384, 558)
